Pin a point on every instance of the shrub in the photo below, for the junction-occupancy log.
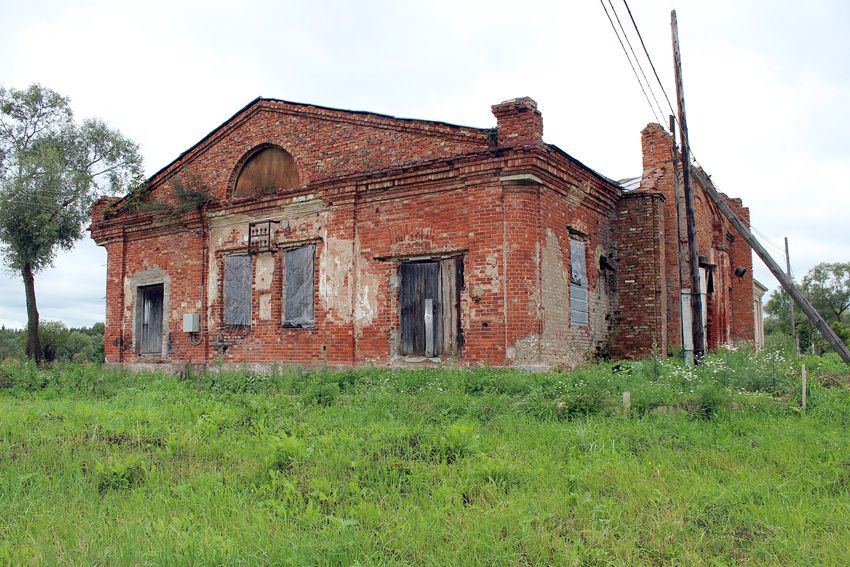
(284, 452)
(708, 400)
(457, 441)
(588, 396)
(536, 404)
(321, 394)
(120, 473)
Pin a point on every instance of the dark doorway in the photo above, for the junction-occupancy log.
(150, 319)
(430, 307)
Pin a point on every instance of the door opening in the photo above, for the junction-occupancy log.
(430, 307)
(149, 319)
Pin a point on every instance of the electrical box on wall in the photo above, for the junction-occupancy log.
(191, 323)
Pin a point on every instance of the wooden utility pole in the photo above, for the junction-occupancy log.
(774, 268)
(690, 214)
(791, 303)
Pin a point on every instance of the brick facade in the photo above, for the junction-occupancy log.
(373, 192)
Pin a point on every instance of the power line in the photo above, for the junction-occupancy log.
(768, 240)
(658, 79)
(646, 80)
(773, 247)
(613, 27)
(777, 249)
(651, 64)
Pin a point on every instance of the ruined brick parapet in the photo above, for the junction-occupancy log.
(518, 122)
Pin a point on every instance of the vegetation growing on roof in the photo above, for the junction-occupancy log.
(188, 192)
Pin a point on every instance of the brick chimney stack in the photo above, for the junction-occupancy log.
(657, 145)
(519, 122)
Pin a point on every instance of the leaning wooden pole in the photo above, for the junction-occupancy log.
(774, 268)
(697, 328)
(791, 303)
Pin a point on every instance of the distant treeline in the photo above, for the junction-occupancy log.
(61, 344)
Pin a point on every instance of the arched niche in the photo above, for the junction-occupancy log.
(266, 170)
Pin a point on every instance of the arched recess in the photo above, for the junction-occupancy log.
(264, 170)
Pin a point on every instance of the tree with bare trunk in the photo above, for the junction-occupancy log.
(51, 171)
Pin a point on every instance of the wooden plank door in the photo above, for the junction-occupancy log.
(151, 319)
(421, 309)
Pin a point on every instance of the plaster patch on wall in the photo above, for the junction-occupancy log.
(264, 271)
(265, 306)
(366, 302)
(335, 265)
(228, 231)
(525, 351)
(212, 284)
(487, 277)
(491, 271)
(304, 205)
(556, 309)
(366, 306)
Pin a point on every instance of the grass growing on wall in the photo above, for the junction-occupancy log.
(431, 467)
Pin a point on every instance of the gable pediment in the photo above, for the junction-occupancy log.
(271, 146)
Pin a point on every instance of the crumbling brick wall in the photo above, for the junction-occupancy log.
(720, 247)
(375, 192)
(639, 233)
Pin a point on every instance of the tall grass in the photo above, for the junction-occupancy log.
(714, 464)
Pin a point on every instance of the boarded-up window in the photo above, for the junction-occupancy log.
(237, 290)
(267, 171)
(578, 283)
(299, 287)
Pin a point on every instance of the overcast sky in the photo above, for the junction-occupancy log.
(767, 87)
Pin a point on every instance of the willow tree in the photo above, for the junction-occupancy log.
(52, 169)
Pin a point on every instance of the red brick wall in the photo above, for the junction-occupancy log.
(743, 318)
(642, 327)
(325, 143)
(519, 123)
(730, 306)
(377, 191)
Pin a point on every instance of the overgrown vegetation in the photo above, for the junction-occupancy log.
(59, 343)
(52, 170)
(715, 464)
(827, 287)
(188, 192)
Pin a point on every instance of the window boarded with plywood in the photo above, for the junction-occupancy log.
(299, 288)
(579, 305)
(237, 290)
(268, 171)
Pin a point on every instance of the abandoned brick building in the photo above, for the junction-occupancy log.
(295, 233)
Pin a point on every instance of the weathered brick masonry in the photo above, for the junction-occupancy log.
(486, 219)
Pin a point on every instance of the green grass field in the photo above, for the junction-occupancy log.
(714, 465)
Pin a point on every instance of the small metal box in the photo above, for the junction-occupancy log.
(191, 323)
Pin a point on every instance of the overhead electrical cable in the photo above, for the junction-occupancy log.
(637, 60)
(651, 64)
(613, 27)
(658, 79)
